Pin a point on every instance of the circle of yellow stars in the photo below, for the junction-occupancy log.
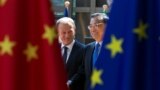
(96, 77)
(115, 46)
(31, 51)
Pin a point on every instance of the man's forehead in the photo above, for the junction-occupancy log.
(95, 20)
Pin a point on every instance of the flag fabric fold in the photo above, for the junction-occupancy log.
(30, 57)
(129, 57)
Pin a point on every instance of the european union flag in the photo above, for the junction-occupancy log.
(130, 54)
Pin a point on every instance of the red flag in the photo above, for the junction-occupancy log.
(30, 58)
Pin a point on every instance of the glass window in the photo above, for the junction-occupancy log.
(58, 2)
(83, 3)
(58, 6)
(99, 3)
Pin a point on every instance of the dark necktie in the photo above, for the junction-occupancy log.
(95, 53)
(65, 54)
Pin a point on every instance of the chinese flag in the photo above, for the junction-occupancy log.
(30, 57)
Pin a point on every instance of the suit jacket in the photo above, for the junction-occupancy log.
(73, 67)
(89, 49)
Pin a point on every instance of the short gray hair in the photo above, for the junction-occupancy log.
(66, 20)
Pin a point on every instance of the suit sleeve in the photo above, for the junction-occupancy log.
(80, 75)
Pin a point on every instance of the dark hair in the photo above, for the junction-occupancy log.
(101, 17)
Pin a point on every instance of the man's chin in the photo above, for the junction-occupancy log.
(67, 43)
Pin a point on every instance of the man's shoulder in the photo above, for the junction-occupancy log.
(90, 44)
(79, 44)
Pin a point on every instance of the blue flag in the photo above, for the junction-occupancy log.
(130, 53)
(66, 13)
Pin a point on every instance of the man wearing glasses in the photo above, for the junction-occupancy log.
(97, 26)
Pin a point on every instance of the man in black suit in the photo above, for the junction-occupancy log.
(72, 52)
(97, 26)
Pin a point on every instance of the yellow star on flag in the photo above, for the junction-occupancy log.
(2, 2)
(96, 77)
(6, 46)
(49, 34)
(31, 52)
(115, 46)
(141, 30)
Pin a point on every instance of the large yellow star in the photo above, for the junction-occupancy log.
(31, 52)
(141, 30)
(6, 46)
(2, 2)
(96, 77)
(49, 34)
(115, 46)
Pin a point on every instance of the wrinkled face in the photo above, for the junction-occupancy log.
(66, 33)
(96, 29)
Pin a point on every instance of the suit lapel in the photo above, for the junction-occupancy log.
(72, 53)
(90, 56)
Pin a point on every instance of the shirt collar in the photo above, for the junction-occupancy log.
(99, 43)
(68, 46)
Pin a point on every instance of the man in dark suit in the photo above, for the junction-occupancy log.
(97, 26)
(72, 52)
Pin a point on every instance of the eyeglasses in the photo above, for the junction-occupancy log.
(94, 25)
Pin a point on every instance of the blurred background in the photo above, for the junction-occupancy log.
(80, 11)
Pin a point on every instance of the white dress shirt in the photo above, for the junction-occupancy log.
(70, 46)
(100, 43)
